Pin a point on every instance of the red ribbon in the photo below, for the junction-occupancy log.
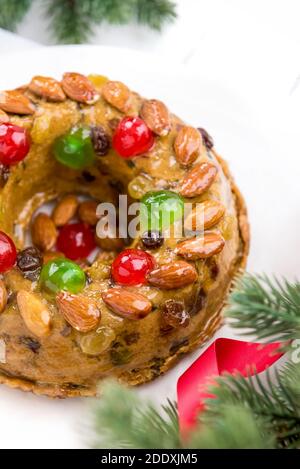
(223, 356)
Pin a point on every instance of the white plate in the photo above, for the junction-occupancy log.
(263, 155)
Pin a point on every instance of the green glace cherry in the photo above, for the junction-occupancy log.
(75, 149)
(62, 274)
(160, 209)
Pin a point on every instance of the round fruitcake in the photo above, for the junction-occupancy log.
(78, 303)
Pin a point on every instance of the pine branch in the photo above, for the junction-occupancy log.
(12, 12)
(276, 404)
(235, 427)
(73, 21)
(155, 12)
(245, 413)
(117, 11)
(122, 420)
(269, 309)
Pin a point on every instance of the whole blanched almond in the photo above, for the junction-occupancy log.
(81, 312)
(204, 215)
(47, 88)
(198, 179)
(178, 274)
(87, 212)
(65, 210)
(3, 117)
(201, 247)
(43, 232)
(79, 88)
(15, 102)
(3, 296)
(117, 94)
(187, 145)
(128, 304)
(156, 116)
(34, 313)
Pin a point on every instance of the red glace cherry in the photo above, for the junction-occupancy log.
(8, 252)
(131, 267)
(14, 144)
(132, 137)
(76, 241)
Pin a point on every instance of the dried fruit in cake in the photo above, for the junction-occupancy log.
(75, 149)
(132, 137)
(160, 209)
(30, 262)
(62, 275)
(14, 144)
(8, 252)
(132, 266)
(76, 240)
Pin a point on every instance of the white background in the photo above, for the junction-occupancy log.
(241, 72)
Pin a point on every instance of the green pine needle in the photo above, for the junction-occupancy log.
(12, 12)
(122, 420)
(245, 413)
(235, 427)
(275, 403)
(270, 309)
(73, 21)
(117, 11)
(155, 12)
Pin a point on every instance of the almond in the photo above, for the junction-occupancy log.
(3, 296)
(156, 116)
(81, 312)
(187, 145)
(47, 88)
(175, 275)
(201, 247)
(87, 212)
(79, 88)
(3, 117)
(43, 232)
(15, 102)
(204, 215)
(65, 210)
(34, 313)
(117, 94)
(128, 304)
(198, 179)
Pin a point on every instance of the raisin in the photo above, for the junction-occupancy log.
(207, 139)
(4, 174)
(152, 239)
(130, 164)
(174, 314)
(100, 141)
(88, 177)
(30, 343)
(119, 354)
(117, 185)
(131, 338)
(213, 268)
(199, 303)
(30, 262)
